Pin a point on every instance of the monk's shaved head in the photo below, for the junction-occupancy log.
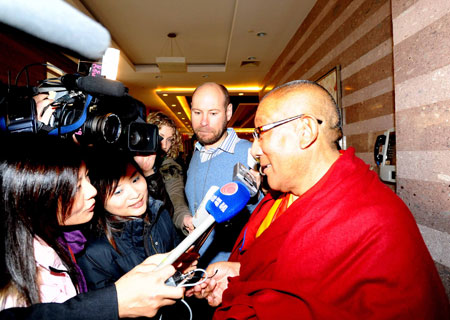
(303, 96)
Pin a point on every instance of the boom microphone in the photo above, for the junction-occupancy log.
(94, 85)
(57, 22)
(223, 205)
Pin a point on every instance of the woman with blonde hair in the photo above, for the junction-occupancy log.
(164, 175)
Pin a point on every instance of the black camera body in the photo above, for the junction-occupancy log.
(95, 111)
(18, 109)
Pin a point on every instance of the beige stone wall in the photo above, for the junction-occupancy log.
(421, 46)
(357, 35)
(381, 46)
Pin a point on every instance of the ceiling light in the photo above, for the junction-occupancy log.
(241, 93)
(178, 112)
(172, 63)
(174, 105)
(165, 94)
(110, 63)
(183, 118)
(261, 34)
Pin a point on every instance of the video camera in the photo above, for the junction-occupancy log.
(94, 110)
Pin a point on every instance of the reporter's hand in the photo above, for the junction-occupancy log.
(187, 223)
(213, 288)
(141, 292)
(42, 102)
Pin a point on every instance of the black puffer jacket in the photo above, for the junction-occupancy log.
(137, 240)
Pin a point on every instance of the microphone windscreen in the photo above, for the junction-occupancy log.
(98, 85)
(57, 22)
(228, 201)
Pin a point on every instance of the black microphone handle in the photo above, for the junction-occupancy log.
(97, 85)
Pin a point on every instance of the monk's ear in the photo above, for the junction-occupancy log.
(308, 131)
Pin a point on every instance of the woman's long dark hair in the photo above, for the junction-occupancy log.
(38, 178)
(106, 168)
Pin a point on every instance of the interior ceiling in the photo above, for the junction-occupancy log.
(219, 40)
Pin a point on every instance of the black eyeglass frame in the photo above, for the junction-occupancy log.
(258, 130)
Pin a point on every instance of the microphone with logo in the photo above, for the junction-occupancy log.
(223, 205)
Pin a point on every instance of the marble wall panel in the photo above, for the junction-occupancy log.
(400, 6)
(417, 17)
(424, 128)
(424, 89)
(363, 142)
(410, 58)
(381, 69)
(374, 90)
(370, 108)
(372, 56)
(320, 9)
(357, 55)
(347, 34)
(428, 201)
(382, 123)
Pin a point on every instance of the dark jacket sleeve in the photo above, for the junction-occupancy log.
(98, 266)
(93, 305)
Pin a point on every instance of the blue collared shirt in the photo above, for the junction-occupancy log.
(227, 145)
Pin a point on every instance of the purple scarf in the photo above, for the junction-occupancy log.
(75, 240)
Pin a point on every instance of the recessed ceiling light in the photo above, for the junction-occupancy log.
(261, 34)
(183, 118)
(165, 94)
(178, 112)
(174, 105)
(241, 93)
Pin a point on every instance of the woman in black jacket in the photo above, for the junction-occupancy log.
(130, 224)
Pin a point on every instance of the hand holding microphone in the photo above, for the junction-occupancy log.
(223, 205)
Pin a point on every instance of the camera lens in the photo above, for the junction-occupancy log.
(111, 128)
(104, 128)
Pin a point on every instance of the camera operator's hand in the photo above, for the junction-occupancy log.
(142, 291)
(43, 112)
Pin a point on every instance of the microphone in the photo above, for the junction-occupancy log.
(94, 85)
(57, 22)
(223, 205)
(201, 214)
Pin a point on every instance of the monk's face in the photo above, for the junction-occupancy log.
(277, 148)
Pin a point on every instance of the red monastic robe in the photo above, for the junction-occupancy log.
(349, 248)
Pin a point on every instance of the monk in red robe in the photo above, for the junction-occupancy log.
(333, 242)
